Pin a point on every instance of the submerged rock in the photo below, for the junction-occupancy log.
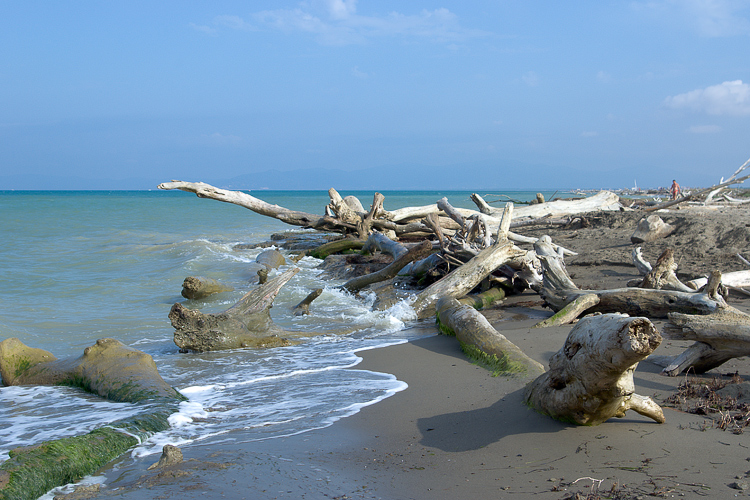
(108, 368)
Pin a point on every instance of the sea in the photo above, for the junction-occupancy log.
(77, 266)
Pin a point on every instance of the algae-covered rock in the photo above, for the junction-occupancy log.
(108, 368)
(16, 358)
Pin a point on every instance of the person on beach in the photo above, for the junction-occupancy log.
(675, 189)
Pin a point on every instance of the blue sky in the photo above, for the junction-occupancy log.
(560, 94)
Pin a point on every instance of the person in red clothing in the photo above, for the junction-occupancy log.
(675, 189)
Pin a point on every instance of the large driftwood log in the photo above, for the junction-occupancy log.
(559, 290)
(472, 329)
(635, 301)
(462, 280)
(246, 324)
(591, 378)
(293, 217)
(720, 336)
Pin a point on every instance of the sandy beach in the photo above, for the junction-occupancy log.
(459, 432)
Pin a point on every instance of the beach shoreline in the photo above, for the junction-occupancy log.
(458, 432)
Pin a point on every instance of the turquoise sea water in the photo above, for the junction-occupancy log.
(82, 265)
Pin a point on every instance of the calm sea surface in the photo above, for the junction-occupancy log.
(77, 266)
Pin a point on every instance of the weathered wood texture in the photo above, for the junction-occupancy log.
(472, 328)
(590, 379)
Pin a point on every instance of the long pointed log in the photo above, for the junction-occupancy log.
(472, 328)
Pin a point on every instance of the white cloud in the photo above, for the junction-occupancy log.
(208, 30)
(531, 79)
(233, 22)
(728, 98)
(336, 22)
(704, 129)
(711, 18)
(359, 74)
(341, 9)
(603, 76)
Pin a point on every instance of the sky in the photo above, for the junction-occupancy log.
(499, 94)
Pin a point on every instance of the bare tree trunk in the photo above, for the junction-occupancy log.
(591, 378)
(246, 324)
(470, 327)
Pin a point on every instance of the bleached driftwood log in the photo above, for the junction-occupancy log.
(559, 290)
(662, 276)
(248, 323)
(737, 279)
(590, 379)
(643, 266)
(720, 336)
(462, 280)
(569, 313)
(472, 329)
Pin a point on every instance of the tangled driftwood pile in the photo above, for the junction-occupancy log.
(461, 260)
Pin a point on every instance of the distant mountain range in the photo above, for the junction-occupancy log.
(397, 177)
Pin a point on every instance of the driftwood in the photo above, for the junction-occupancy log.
(591, 378)
(473, 329)
(304, 306)
(570, 312)
(107, 368)
(720, 336)
(559, 290)
(336, 246)
(198, 287)
(736, 279)
(732, 180)
(643, 266)
(662, 276)
(462, 280)
(415, 253)
(246, 324)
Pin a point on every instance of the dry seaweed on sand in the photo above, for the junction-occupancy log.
(719, 398)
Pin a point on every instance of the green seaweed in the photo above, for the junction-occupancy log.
(502, 365)
(22, 365)
(32, 471)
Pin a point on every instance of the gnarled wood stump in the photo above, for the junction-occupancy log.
(591, 378)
